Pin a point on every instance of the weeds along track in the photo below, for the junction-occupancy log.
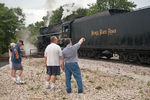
(102, 80)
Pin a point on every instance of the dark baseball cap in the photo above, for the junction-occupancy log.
(21, 41)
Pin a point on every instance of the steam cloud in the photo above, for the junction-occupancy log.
(24, 35)
(50, 6)
(68, 5)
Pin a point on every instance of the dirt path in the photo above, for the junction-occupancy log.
(101, 82)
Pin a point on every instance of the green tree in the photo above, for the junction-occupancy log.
(57, 15)
(9, 23)
(102, 5)
(80, 12)
(20, 16)
(34, 29)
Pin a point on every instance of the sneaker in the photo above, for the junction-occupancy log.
(53, 86)
(81, 91)
(14, 80)
(47, 86)
(68, 92)
(20, 82)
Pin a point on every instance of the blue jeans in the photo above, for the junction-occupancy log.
(73, 68)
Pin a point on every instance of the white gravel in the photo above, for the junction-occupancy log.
(135, 71)
(102, 81)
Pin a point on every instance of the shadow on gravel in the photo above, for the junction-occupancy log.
(3, 61)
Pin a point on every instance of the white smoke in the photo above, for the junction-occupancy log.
(28, 47)
(47, 20)
(50, 6)
(68, 5)
(68, 9)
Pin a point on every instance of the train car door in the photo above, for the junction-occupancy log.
(66, 29)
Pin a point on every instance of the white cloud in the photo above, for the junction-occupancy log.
(141, 3)
(34, 15)
(36, 9)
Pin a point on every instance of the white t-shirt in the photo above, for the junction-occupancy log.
(53, 52)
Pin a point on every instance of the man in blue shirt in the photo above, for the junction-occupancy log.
(16, 62)
(70, 56)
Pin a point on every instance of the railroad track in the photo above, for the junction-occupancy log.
(116, 60)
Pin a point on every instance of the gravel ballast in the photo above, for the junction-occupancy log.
(102, 80)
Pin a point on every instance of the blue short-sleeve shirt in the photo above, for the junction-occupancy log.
(14, 55)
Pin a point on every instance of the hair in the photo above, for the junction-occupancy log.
(53, 38)
(67, 41)
(20, 41)
(12, 44)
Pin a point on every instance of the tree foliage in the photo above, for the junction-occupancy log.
(34, 29)
(57, 15)
(80, 12)
(10, 21)
(102, 5)
(99, 6)
(20, 17)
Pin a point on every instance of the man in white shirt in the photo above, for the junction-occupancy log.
(53, 55)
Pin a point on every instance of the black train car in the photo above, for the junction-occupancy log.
(113, 31)
(45, 33)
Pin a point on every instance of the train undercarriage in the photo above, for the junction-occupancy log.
(124, 55)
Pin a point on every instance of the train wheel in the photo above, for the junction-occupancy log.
(108, 57)
(91, 54)
(145, 59)
(148, 61)
(99, 56)
(132, 57)
(84, 53)
(120, 57)
(125, 57)
(79, 54)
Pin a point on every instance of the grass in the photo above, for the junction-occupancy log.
(75, 85)
(57, 78)
(141, 91)
(142, 81)
(72, 81)
(110, 85)
(147, 98)
(86, 76)
(91, 81)
(123, 79)
(113, 85)
(85, 87)
(130, 78)
(45, 92)
(144, 73)
(135, 72)
(64, 98)
(140, 87)
(97, 69)
(98, 87)
(30, 88)
(38, 87)
(54, 96)
(38, 73)
(148, 83)
(33, 88)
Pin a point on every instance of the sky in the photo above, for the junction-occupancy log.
(35, 9)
